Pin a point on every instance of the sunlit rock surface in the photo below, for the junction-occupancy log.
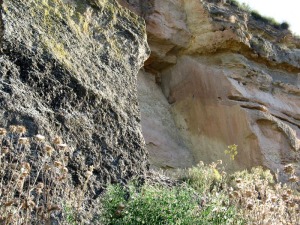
(70, 68)
(228, 78)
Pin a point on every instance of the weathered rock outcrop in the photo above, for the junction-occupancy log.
(69, 68)
(228, 79)
(164, 142)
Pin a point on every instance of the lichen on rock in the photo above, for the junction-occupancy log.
(69, 68)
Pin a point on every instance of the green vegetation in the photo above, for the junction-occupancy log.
(36, 187)
(258, 17)
(205, 195)
(268, 20)
(149, 205)
(284, 26)
(234, 3)
(202, 178)
(231, 151)
(155, 204)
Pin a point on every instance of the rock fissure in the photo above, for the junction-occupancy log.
(287, 120)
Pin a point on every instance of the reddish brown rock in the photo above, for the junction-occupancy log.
(228, 79)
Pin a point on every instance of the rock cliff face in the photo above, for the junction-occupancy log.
(215, 77)
(69, 68)
(227, 77)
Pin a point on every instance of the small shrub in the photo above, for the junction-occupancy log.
(149, 205)
(284, 26)
(160, 205)
(256, 174)
(245, 7)
(233, 3)
(202, 178)
(257, 16)
(206, 197)
(35, 184)
(267, 20)
(209, 181)
(219, 210)
(263, 201)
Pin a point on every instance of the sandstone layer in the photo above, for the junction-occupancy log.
(69, 68)
(166, 146)
(228, 78)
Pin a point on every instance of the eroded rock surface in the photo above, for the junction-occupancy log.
(228, 79)
(69, 68)
(166, 146)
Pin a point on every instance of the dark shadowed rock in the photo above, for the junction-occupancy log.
(69, 68)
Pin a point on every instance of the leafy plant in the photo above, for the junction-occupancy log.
(219, 210)
(231, 151)
(149, 205)
(152, 204)
(70, 215)
(202, 178)
(209, 181)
